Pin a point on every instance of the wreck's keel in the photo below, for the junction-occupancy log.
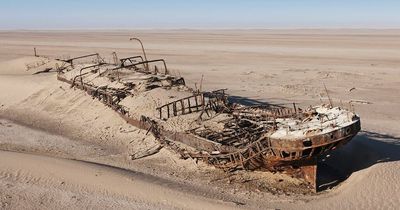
(309, 173)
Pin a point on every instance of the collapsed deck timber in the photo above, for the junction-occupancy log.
(206, 125)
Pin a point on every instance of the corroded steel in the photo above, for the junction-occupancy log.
(70, 60)
(246, 140)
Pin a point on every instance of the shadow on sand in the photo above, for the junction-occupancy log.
(246, 101)
(254, 102)
(365, 150)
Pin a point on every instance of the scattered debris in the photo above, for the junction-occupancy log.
(359, 101)
(351, 89)
(146, 153)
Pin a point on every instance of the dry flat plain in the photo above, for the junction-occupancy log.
(62, 149)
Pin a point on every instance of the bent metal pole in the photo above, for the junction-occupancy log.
(144, 52)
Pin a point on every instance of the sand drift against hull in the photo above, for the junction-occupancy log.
(206, 125)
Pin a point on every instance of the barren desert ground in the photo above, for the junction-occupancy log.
(60, 149)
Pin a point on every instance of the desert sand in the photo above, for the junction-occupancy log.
(62, 149)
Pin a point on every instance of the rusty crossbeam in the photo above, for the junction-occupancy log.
(131, 60)
(91, 66)
(134, 65)
(150, 61)
(70, 60)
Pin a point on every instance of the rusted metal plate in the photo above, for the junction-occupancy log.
(309, 173)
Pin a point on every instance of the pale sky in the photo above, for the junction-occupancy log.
(125, 14)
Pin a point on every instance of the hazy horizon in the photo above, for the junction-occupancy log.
(207, 14)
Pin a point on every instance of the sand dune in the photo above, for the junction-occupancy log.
(84, 184)
(261, 65)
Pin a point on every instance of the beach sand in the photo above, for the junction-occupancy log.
(62, 149)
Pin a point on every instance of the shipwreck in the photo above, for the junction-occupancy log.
(207, 125)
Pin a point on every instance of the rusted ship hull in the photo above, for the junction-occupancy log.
(272, 153)
(265, 154)
(249, 138)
